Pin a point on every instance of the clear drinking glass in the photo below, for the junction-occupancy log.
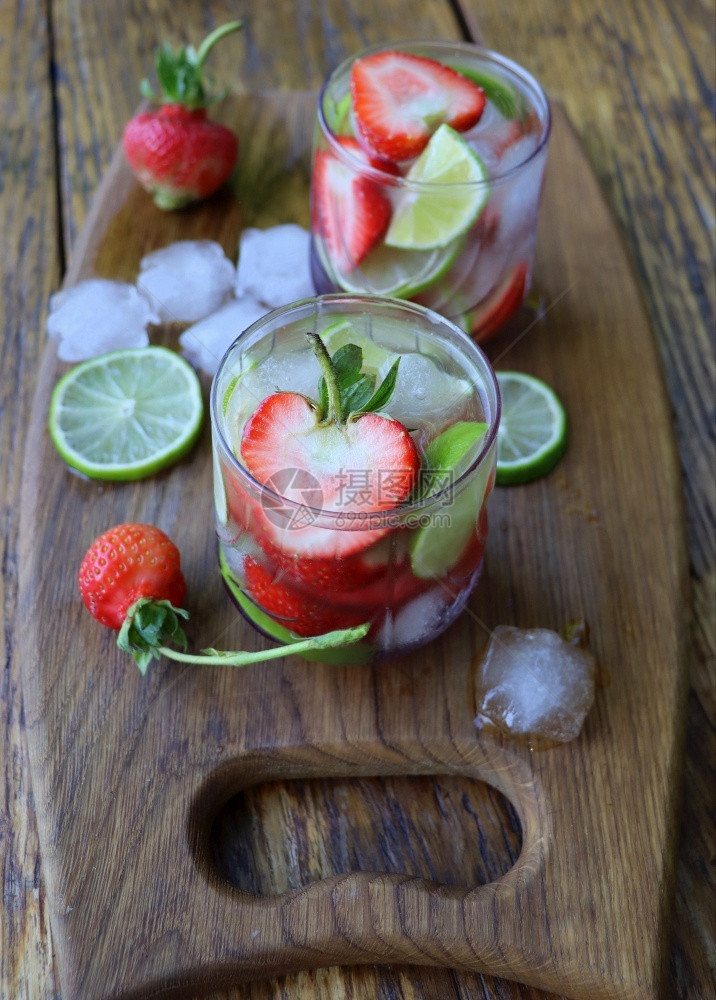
(479, 277)
(296, 567)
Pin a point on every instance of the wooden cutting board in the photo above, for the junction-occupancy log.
(140, 783)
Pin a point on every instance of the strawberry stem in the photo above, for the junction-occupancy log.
(215, 657)
(216, 35)
(149, 625)
(335, 405)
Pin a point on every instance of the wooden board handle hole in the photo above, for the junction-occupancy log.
(279, 836)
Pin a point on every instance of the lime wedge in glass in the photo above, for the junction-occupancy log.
(532, 436)
(445, 191)
(506, 98)
(398, 273)
(127, 414)
(437, 546)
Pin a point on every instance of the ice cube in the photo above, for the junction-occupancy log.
(417, 619)
(274, 265)
(187, 280)
(96, 316)
(531, 683)
(295, 371)
(205, 343)
(424, 392)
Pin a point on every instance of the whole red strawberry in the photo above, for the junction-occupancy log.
(131, 580)
(177, 154)
(126, 563)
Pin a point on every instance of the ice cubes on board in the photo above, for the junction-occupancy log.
(96, 316)
(187, 280)
(204, 343)
(533, 683)
(274, 265)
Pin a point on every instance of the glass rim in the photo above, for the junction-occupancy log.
(392, 180)
(368, 520)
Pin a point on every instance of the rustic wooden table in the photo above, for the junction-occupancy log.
(637, 81)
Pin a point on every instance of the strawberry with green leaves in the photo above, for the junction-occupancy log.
(177, 154)
(342, 435)
(131, 580)
(338, 437)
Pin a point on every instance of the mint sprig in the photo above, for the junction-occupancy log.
(345, 391)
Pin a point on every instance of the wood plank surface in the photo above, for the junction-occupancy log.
(31, 268)
(637, 79)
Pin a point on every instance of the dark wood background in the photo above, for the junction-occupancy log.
(637, 80)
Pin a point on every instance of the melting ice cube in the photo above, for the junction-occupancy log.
(424, 392)
(530, 682)
(274, 265)
(187, 280)
(205, 343)
(295, 371)
(97, 316)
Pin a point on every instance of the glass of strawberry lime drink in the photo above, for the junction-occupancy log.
(427, 170)
(354, 447)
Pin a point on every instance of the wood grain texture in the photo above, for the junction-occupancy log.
(637, 79)
(31, 267)
(143, 766)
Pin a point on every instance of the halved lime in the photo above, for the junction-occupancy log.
(126, 414)
(400, 274)
(532, 436)
(437, 546)
(445, 191)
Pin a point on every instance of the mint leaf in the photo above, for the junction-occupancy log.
(380, 398)
(357, 395)
(348, 361)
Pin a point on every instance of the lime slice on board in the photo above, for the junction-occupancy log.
(398, 273)
(532, 436)
(455, 193)
(127, 414)
(436, 547)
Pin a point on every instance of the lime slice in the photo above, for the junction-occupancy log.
(455, 193)
(221, 503)
(343, 332)
(437, 546)
(337, 115)
(126, 414)
(340, 655)
(506, 98)
(400, 274)
(532, 436)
